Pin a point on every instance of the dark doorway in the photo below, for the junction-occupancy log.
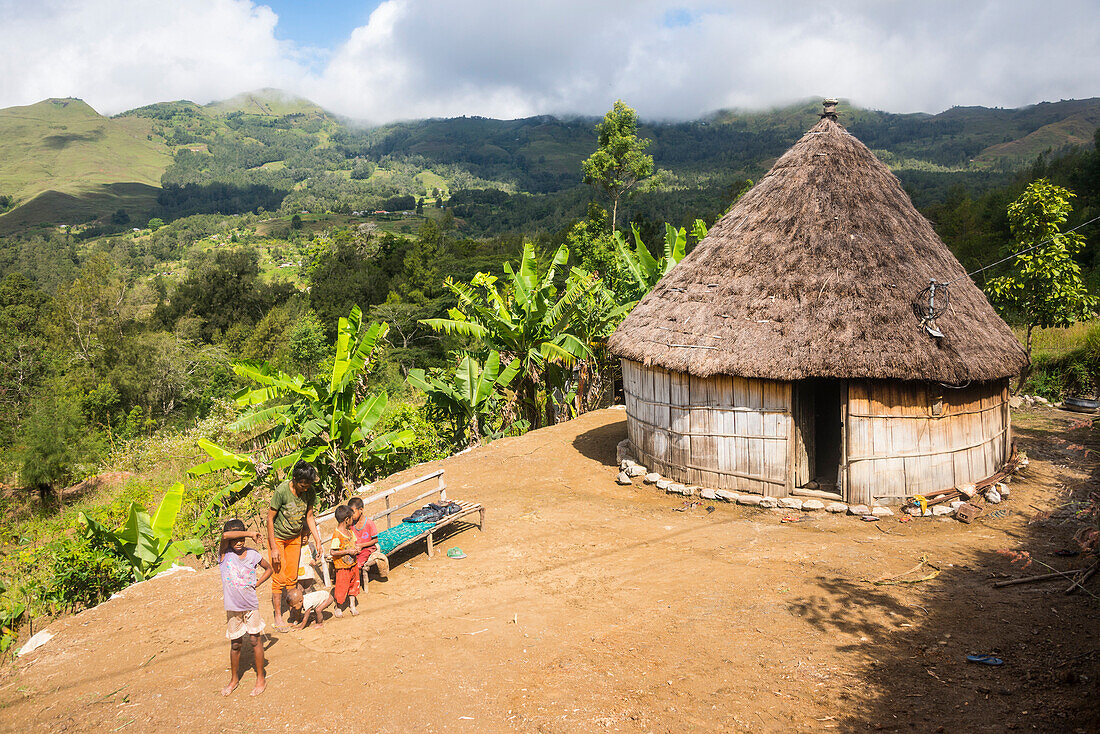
(819, 433)
(827, 433)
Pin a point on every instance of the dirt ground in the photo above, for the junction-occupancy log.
(589, 607)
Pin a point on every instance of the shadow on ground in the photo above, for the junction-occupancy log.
(912, 639)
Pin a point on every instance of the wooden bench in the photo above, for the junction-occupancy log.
(326, 521)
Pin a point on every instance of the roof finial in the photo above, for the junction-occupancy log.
(829, 109)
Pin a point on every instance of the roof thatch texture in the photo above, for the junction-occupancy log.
(815, 273)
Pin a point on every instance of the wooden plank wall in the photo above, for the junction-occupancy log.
(720, 432)
(899, 446)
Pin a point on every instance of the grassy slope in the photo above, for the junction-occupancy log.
(62, 161)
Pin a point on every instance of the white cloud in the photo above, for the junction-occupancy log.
(119, 55)
(497, 58)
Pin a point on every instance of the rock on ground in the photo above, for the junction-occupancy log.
(664, 484)
(836, 507)
(769, 502)
(623, 478)
(637, 470)
(652, 478)
(727, 495)
(812, 505)
(882, 512)
(790, 503)
(751, 500)
(859, 510)
(707, 494)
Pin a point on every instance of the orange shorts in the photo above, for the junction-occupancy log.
(347, 583)
(285, 574)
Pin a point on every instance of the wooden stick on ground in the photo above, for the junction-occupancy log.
(1080, 581)
(1040, 577)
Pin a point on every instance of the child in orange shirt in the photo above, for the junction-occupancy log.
(344, 550)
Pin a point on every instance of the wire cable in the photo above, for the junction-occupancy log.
(1021, 252)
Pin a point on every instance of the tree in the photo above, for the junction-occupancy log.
(146, 544)
(619, 163)
(466, 395)
(326, 422)
(643, 269)
(1044, 288)
(420, 205)
(296, 221)
(523, 316)
(156, 223)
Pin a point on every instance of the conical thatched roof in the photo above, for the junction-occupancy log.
(815, 273)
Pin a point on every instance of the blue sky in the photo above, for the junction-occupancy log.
(319, 23)
(383, 60)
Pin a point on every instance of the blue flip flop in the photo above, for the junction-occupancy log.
(984, 660)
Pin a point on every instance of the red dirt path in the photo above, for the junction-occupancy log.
(585, 606)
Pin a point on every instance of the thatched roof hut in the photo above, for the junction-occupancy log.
(815, 284)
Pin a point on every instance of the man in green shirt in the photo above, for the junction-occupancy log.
(288, 517)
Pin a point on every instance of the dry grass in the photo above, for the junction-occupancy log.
(1055, 342)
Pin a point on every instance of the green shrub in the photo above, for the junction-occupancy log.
(84, 575)
(430, 442)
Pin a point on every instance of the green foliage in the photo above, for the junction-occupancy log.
(620, 162)
(467, 394)
(643, 269)
(145, 544)
(324, 422)
(156, 223)
(56, 444)
(429, 441)
(84, 574)
(1045, 288)
(525, 317)
(11, 613)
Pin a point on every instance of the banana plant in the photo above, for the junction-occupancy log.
(146, 544)
(323, 422)
(466, 395)
(524, 317)
(644, 270)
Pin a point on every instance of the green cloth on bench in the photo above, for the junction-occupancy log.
(398, 534)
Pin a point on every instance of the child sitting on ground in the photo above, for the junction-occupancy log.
(344, 549)
(304, 603)
(366, 536)
(242, 607)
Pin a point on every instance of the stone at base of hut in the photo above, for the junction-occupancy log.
(942, 510)
(1015, 401)
(769, 502)
(663, 484)
(992, 496)
(652, 478)
(882, 512)
(836, 507)
(751, 500)
(790, 503)
(623, 450)
(812, 505)
(957, 504)
(859, 510)
(1003, 490)
(916, 511)
(726, 495)
(707, 494)
(680, 489)
(626, 464)
(623, 478)
(637, 470)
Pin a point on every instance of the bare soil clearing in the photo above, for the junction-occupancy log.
(585, 606)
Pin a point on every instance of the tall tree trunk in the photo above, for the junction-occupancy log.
(1027, 368)
(614, 213)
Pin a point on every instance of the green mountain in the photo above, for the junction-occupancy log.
(61, 161)
(64, 163)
